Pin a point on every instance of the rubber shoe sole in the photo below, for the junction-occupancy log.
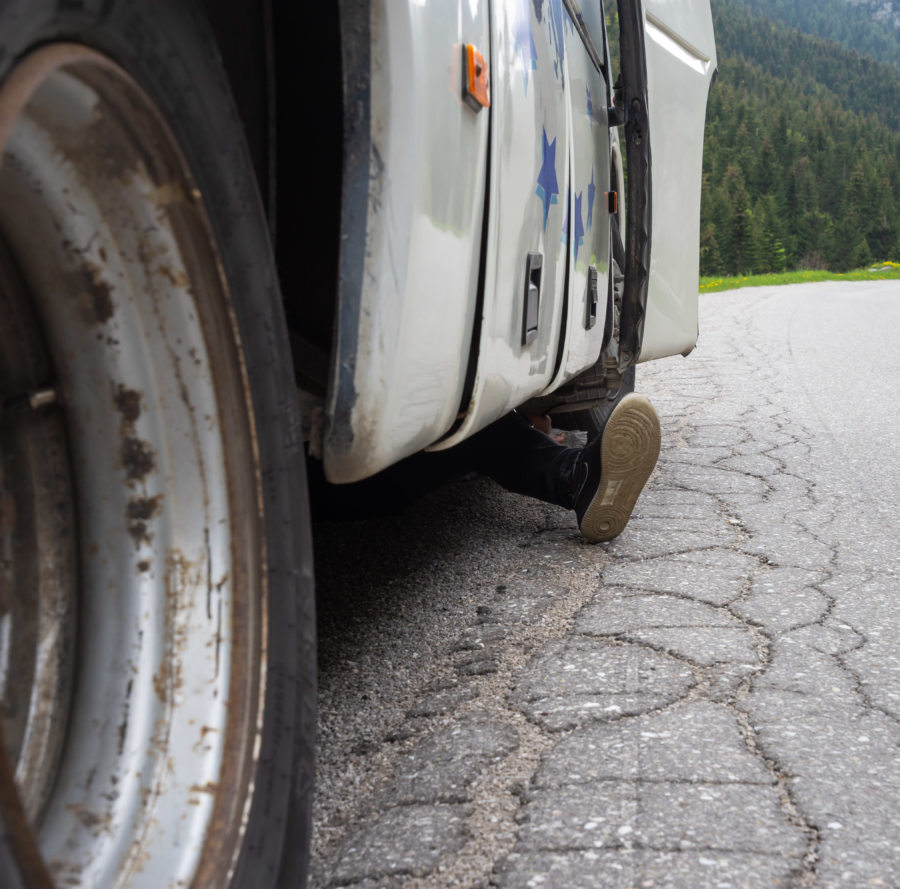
(629, 449)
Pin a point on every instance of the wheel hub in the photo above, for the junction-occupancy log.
(130, 555)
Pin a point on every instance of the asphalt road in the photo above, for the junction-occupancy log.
(712, 700)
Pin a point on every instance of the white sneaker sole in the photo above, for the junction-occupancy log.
(628, 452)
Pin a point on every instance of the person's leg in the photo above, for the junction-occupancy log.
(601, 482)
(524, 460)
(510, 451)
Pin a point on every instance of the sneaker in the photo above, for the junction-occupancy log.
(612, 470)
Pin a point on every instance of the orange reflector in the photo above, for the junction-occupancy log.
(477, 91)
(612, 201)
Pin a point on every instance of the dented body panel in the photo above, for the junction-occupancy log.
(400, 368)
(482, 234)
(531, 183)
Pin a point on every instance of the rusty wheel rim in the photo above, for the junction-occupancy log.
(159, 590)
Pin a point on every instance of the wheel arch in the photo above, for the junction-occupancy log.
(282, 96)
(244, 34)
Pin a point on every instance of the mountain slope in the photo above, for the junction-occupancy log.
(812, 65)
(871, 27)
(802, 154)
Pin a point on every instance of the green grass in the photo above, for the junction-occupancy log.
(877, 272)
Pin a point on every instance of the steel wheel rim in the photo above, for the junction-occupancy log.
(108, 233)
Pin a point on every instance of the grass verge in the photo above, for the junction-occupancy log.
(877, 272)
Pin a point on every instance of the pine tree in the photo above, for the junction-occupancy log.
(735, 242)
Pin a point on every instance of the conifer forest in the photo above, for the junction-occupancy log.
(802, 153)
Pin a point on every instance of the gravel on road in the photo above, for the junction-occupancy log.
(710, 700)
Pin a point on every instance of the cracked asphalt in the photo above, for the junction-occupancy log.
(711, 700)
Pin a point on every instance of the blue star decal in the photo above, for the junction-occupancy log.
(578, 234)
(592, 190)
(590, 107)
(547, 185)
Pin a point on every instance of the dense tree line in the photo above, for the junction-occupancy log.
(802, 153)
(813, 66)
(871, 27)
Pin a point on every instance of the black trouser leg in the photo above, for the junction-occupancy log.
(510, 451)
(523, 460)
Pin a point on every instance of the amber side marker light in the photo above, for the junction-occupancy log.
(612, 201)
(476, 86)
